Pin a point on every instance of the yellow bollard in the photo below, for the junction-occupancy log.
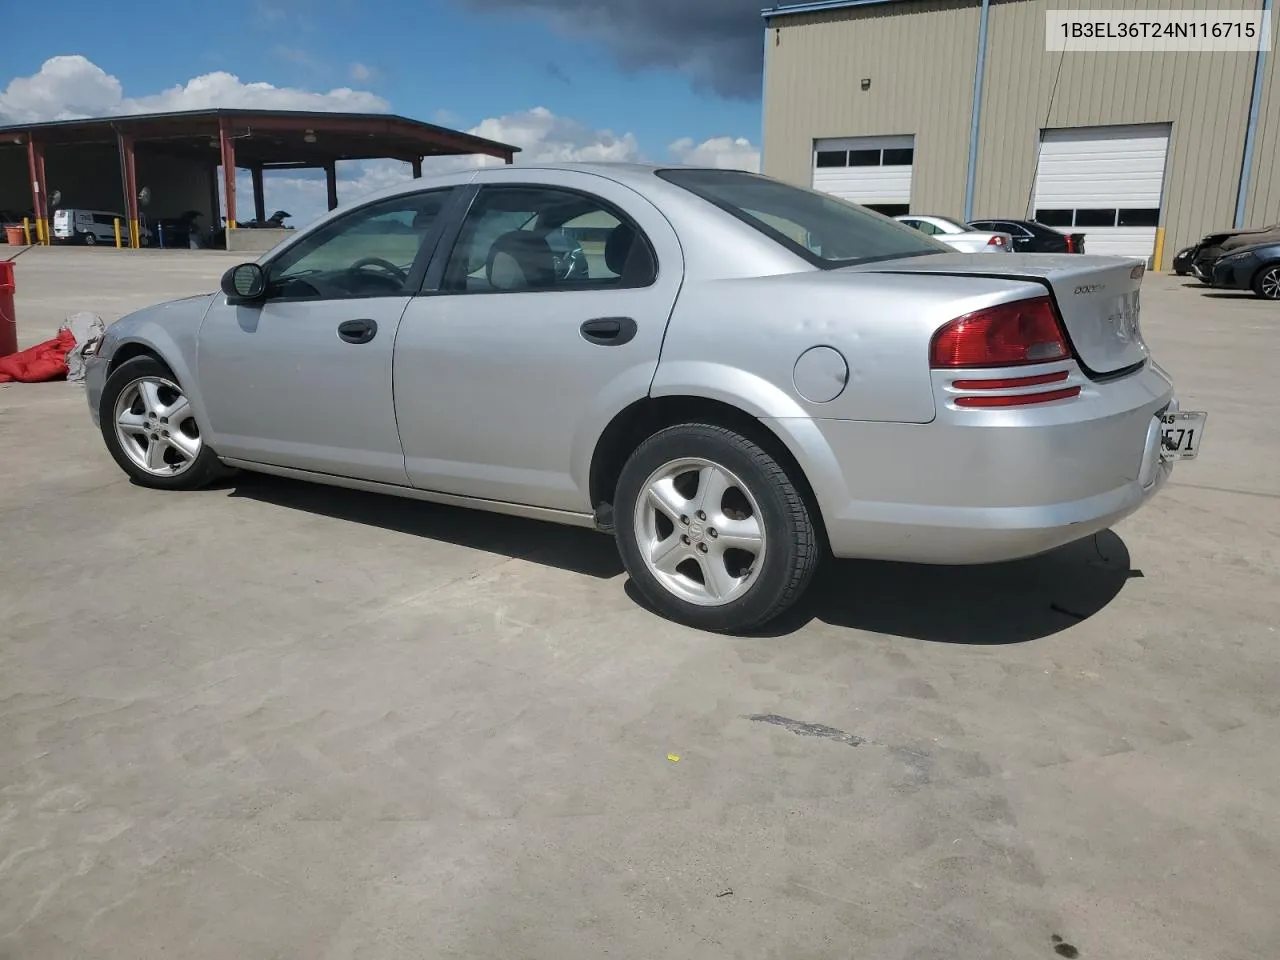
(135, 235)
(1159, 254)
(26, 229)
(117, 224)
(42, 228)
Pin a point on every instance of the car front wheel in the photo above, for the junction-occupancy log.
(712, 530)
(1267, 283)
(151, 431)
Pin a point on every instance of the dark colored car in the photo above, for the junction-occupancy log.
(1030, 236)
(1255, 267)
(1182, 261)
(1215, 245)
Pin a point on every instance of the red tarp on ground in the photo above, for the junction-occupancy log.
(44, 361)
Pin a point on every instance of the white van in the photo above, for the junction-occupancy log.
(92, 227)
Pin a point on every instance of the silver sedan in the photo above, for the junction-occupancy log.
(733, 376)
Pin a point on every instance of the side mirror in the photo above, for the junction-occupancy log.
(244, 283)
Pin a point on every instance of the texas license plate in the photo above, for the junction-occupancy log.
(1180, 434)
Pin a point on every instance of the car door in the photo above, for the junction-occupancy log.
(302, 377)
(540, 320)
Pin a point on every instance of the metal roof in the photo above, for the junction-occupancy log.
(336, 135)
(817, 6)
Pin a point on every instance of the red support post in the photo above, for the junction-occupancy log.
(510, 158)
(416, 163)
(128, 165)
(39, 190)
(228, 174)
(331, 183)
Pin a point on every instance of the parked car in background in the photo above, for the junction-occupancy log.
(1215, 245)
(1254, 267)
(92, 227)
(731, 403)
(957, 235)
(1182, 261)
(1032, 237)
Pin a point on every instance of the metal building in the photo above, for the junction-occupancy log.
(956, 108)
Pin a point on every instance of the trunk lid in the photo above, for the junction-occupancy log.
(1097, 297)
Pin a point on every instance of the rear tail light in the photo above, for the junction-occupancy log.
(1008, 335)
(1071, 244)
(996, 242)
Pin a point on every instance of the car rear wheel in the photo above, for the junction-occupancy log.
(89, 239)
(712, 530)
(151, 431)
(1267, 282)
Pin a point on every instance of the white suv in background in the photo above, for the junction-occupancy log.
(958, 235)
(92, 227)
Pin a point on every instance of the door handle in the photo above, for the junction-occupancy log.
(358, 331)
(609, 331)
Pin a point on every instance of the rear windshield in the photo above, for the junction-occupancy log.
(825, 231)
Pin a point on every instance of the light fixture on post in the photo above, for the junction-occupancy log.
(309, 136)
(866, 83)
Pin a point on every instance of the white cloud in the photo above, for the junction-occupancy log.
(362, 73)
(545, 137)
(725, 153)
(71, 87)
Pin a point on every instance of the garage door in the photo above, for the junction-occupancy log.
(873, 171)
(1106, 183)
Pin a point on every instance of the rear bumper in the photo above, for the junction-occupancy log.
(993, 485)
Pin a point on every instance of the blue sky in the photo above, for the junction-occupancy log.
(460, 62)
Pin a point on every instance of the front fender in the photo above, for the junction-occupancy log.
(170, 332)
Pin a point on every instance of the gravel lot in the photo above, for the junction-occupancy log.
(277, 720)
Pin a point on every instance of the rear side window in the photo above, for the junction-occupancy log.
(518, 239)
(825, 231)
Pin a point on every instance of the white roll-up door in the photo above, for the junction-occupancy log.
(1104, 182)
(873, 171)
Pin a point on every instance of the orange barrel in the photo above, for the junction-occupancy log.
(8, 317)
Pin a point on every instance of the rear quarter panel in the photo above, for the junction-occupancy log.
(738, 340)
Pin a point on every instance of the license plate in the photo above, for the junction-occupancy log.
(1180, 434)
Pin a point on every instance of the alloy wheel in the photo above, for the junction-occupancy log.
(700, 531)
(156, 427)
(1269, 283)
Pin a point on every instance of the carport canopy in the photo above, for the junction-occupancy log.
(255, 140)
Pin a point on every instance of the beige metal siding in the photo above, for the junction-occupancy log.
(1263, 205)
(919, 56)
(1205, 96)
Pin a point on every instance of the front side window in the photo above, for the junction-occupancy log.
(531, 238)
(367, 253)
(826, 231)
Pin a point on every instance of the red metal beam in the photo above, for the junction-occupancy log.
(228, 148)
(130, 176)
(39, 191)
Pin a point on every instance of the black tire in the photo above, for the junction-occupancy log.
(89, 239)
(204, 469)
(793, 549)
(1266, 282)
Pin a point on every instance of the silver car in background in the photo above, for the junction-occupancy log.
(733, 376)
(957, 235)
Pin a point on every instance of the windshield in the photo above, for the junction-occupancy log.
(822, 229)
